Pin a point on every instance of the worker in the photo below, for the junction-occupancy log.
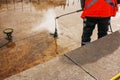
(96, 12)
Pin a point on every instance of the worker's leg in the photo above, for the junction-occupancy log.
(103, 25)
(88, 27)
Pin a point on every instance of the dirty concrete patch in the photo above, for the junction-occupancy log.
(20, 55)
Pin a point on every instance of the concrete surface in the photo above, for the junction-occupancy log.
(60, 68)
(100, 58)
(32, 23)
(32, 43)
(95, 61)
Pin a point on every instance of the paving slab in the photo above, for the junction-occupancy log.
(100, 58)
(59, 68)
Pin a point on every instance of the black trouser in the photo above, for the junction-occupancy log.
(89, 24)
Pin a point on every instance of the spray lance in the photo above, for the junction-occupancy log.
(56, 33)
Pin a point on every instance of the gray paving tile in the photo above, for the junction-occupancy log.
(100, 58)
(60, 68)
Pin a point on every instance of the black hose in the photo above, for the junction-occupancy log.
(68, 13)
(110, 28)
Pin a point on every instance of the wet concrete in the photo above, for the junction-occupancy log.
(21, 55)
(95, 61)
(32, 22)
(32, 44)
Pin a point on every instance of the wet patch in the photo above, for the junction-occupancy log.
(26, 53)
(32, 43)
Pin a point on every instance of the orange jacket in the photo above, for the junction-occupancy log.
(100, 8)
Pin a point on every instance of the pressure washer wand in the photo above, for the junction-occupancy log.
(55, 33)
(68, 13)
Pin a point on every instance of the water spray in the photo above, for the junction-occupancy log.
(56, 33)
